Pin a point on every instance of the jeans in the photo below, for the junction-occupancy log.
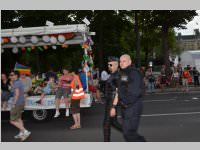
(150, 86)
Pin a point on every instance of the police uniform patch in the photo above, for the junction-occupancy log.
(124, 78)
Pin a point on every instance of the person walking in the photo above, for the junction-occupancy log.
(18, 107)
(77, 94)
(130, 90)
(111, 102)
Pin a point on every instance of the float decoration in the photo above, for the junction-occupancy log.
(22, 69)
(29, 49)
(15, 50)
(22, 39)
(54, 47)
(23, 49)
(13, 39)
(40, 48)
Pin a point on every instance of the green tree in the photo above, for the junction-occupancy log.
(168, 19)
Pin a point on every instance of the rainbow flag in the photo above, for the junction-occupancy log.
(22, 69)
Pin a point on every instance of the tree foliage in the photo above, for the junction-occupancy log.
(115, 35)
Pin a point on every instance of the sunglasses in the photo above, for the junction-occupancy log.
(11, 74)
(110, 65)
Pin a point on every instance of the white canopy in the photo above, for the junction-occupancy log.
(81, 32)
(191, 58)
(82, 28)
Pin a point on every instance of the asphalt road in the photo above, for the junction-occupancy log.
(167, 117)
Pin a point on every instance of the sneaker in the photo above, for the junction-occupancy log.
(18, 136)
(56, 115)
(67, 113)
(25, 135)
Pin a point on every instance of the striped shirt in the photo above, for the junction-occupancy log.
(64, 81)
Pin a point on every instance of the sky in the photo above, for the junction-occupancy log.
(194, 24)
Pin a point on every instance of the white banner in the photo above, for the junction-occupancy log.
(49, 102)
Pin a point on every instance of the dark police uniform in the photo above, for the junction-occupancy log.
(130, 97)
(110, 92)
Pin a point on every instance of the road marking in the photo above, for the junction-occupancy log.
(159, 100)
(166, 100)
(171, 92)
(170, 114)
(195, 98)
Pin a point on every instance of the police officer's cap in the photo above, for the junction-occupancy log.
(113, 58)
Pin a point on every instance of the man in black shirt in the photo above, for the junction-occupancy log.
(111, 102)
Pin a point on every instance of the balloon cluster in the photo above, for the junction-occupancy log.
(51, 39)
(87, 58)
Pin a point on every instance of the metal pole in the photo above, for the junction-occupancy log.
(85, 51)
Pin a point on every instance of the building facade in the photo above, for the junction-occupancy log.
(188, 42)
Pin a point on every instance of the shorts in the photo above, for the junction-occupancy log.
(75, 106)
(5, 95)
(46, 91)
(62, 92)
(16, 113)
(92, 88)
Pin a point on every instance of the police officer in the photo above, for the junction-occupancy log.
(111, 99)
(130, 92)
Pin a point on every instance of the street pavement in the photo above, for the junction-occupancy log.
(168, 116)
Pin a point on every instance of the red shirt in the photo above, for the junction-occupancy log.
(64, 81)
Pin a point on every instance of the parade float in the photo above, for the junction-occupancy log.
(40, 38)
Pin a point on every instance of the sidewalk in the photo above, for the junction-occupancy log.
(169, 89)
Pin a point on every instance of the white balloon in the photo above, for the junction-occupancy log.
(86, 68)
(61, 38)
(34, 39)
(15, 50)
(46, 38)
(13, 39)
(53, 40)
(54, 47)
(2, 50)
(22, 39)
